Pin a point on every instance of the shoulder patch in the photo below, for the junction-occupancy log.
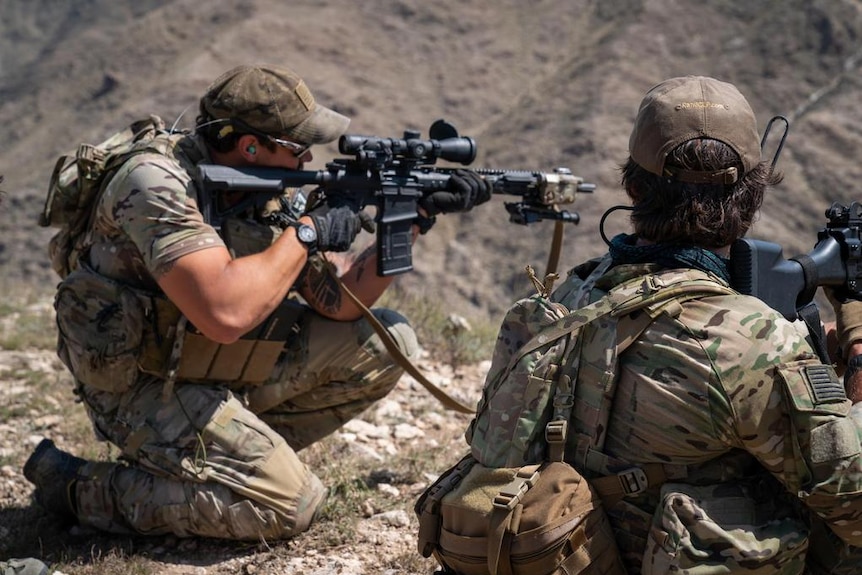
(824, 384)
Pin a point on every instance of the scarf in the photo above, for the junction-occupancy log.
(670, 256)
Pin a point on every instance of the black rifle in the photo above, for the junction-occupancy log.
(758, 268)
(393, 175)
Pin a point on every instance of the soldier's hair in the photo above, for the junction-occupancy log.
(706, 215)
(211, 129)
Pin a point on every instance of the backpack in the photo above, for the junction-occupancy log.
(513, 505)
(77, 181)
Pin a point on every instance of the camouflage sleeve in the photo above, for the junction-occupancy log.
(153, 201)
(790, 412)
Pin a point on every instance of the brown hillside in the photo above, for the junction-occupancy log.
(538, 84)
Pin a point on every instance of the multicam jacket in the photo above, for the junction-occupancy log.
(114, 319)
(149, 215)
(752, 429)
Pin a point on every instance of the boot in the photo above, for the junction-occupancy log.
(54, 473)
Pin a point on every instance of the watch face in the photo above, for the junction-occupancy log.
(306, 234)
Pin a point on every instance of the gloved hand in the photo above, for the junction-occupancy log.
(464, 190)
(848, 330)
(337, 226)
(848, 319)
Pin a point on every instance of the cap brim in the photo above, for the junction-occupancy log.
(322, 126)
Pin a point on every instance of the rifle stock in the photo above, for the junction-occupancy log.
(759, 268)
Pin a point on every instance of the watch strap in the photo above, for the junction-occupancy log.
(310, 245)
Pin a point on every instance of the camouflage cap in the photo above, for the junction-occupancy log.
(692, 107)
(274, 101)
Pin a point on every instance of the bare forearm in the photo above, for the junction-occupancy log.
(225, 297)
(357, 273)
(323, 292)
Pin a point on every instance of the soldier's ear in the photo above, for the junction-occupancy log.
(246, 145)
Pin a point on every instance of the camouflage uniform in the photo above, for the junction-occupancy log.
(209, 458)
(748, 424)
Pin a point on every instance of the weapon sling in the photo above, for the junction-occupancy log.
(447, 400)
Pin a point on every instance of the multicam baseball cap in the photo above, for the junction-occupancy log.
(271, 100)
(691, 107)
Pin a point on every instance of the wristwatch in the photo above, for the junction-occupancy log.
(306, 235)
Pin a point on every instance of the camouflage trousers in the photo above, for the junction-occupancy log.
(212, 461)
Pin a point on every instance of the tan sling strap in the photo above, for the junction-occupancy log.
(447, 400)
(556, 248)
(444, 398)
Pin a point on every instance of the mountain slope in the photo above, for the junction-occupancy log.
(539, 85)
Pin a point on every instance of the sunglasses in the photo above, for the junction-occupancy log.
(298, 150)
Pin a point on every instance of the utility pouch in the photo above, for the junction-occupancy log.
(250, 359)
(532, 520)
(723, 528)
(100, 330)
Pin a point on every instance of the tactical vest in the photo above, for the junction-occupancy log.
(522, 501)
(110, 332)
(718, 515)
(542, 403)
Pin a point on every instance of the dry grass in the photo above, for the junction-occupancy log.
(367, 525)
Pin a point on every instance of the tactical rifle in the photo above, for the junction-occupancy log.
(393, 175)
(788, 285)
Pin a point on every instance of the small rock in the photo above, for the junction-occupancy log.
(394, 518)
(388, 489)
(407, 431)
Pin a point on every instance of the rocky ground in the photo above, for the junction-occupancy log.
(377, 466)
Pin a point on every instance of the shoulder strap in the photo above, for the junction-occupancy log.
(649, 292)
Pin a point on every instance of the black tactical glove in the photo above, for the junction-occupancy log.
(464, 190)
(338, 226)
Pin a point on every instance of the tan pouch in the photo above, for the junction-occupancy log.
(533, 520)
(249, 360)
(100, 324)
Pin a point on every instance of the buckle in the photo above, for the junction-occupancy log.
(633, 480)
(556, 431)
(651, 284)
(510, 495)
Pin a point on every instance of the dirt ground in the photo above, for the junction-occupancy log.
(377, 466)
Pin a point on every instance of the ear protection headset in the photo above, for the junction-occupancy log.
(251, 150)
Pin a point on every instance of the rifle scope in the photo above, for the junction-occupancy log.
(457, 149)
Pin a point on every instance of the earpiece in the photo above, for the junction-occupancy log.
(251, 150)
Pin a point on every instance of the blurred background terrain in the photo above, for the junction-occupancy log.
(539, 85)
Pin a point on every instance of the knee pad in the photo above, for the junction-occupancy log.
(397, 326)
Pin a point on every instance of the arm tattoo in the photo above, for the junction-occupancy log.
(360, 265)
(323, 287)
